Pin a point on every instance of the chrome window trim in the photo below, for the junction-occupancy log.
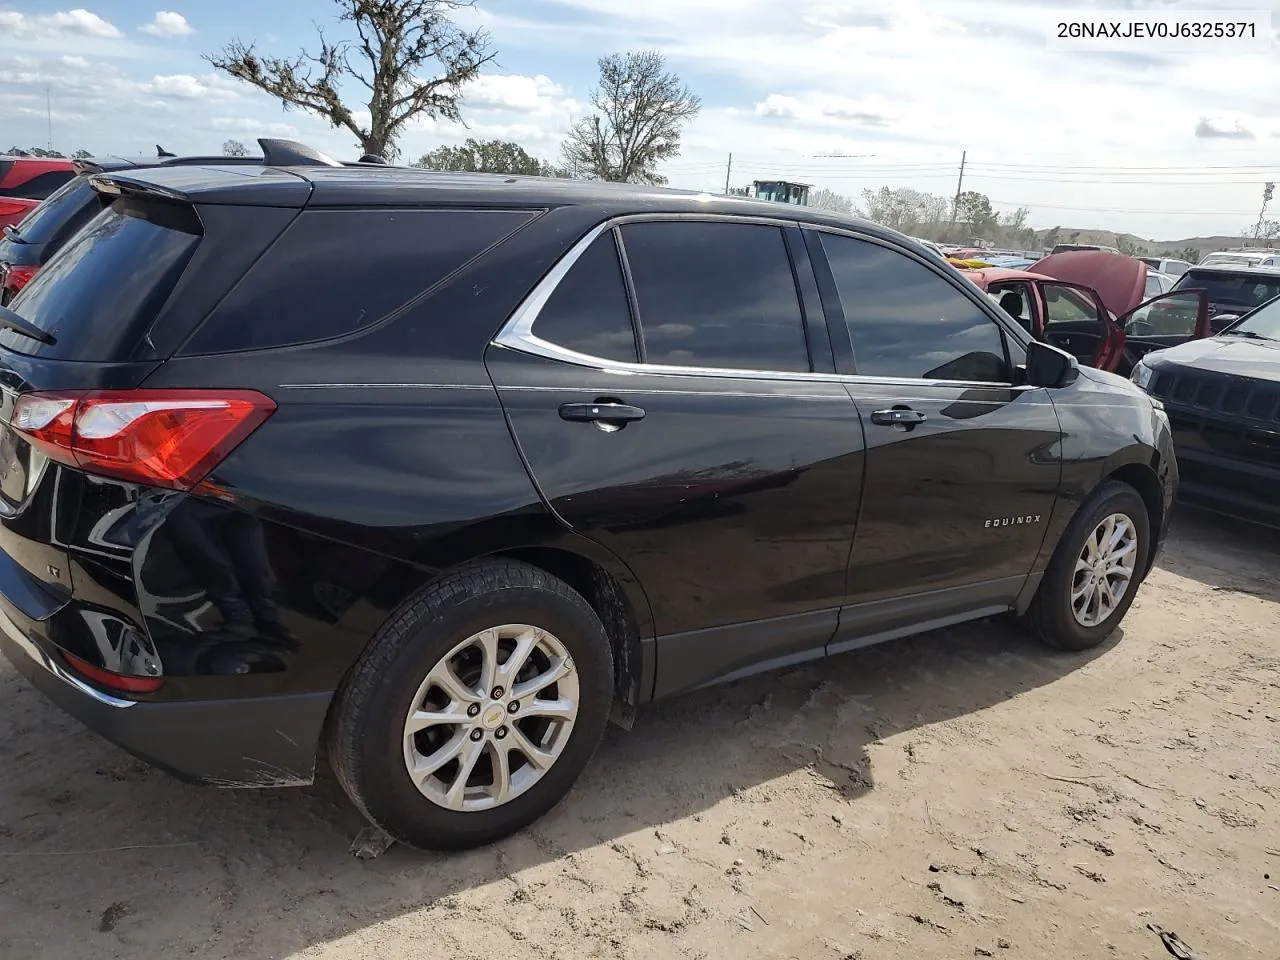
(517, 333)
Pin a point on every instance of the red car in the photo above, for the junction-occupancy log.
(25, 181)
(1090, 303)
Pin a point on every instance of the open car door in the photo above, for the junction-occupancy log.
(1165, 321)
(1076, 321)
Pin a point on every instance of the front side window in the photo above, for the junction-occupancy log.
(716, 294)
(907, 321)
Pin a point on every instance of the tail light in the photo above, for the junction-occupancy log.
(161, 438)
(15, 278)
(118, 682)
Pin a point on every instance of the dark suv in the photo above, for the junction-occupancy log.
(452, 468)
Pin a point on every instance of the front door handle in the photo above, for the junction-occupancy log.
(609, 412)
(898, 417)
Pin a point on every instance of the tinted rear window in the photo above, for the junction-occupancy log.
(71, 206)
(39, 186)
(335, 272)
(102, 291)
(1239, 289)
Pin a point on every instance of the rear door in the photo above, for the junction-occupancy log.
(961, 471)
(1165, 321)
(1076, 321)
(668, 388)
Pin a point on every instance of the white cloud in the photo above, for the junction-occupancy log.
(45, 26)
(252, 127)
(168, 24)
(213, 87)
(515, 93)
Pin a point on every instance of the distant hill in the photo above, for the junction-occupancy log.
(1109, 238)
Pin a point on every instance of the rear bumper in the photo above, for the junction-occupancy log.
(243, 742)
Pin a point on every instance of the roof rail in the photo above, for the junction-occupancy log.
(291, 153)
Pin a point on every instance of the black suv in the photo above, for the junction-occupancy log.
(1223, 398)
(1232, 290)
(453, 468)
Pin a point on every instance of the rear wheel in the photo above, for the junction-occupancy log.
(1095, 571)
(476, 708)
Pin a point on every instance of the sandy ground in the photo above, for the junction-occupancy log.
(961, 794)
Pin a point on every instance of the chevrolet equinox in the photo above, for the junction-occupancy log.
(434, 474)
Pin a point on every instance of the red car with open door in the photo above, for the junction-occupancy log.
(1090, 303)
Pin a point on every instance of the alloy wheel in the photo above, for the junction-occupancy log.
(1104, 570)
(491, 718)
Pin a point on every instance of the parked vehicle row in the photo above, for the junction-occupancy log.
(451, 469)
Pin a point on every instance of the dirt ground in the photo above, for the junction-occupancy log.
(960, 794)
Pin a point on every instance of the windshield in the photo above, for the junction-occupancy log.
(1242, 291)
(1265, 322)
(73, 204)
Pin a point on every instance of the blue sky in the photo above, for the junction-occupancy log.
(1166, 144)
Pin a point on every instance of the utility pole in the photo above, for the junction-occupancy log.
(955, 206)
(727, 171)
(48, 113)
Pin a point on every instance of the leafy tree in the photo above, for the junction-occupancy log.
(1052, 237)
(974, 209)
(830, 200)
(1189, 254)
(641, 110)
(234, 148)
(488, 156)
(35, 152)
(408, 55)
(81, 154)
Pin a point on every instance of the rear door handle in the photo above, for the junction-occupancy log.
(600, 412)
(898, 417)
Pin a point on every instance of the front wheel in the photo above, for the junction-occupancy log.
(1095, 571)
(475, 710)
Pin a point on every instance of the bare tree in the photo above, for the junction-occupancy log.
(640, 112)
(825, 199)
(234, 148)
(903, 209)
(410, 57)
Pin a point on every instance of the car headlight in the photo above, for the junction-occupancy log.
(1142, 375)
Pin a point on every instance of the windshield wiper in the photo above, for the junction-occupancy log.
(1250, 334)
(18, 324)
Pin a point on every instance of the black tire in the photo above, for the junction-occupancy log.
(1050, 616)
(367, 747)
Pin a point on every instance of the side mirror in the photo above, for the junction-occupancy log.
(1047, 366)
(1220, 321)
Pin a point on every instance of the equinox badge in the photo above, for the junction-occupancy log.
(1012, 521)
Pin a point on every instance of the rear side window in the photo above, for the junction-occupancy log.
(335, 272)
(102, 291)
(39, 186)
(588, 311)
(1240, 291)
(67, 209)
(718, 295)
(906, 321)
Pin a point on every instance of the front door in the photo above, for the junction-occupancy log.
(693, 440)
(962, 472)
(1165, 321)
(1075, 320)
